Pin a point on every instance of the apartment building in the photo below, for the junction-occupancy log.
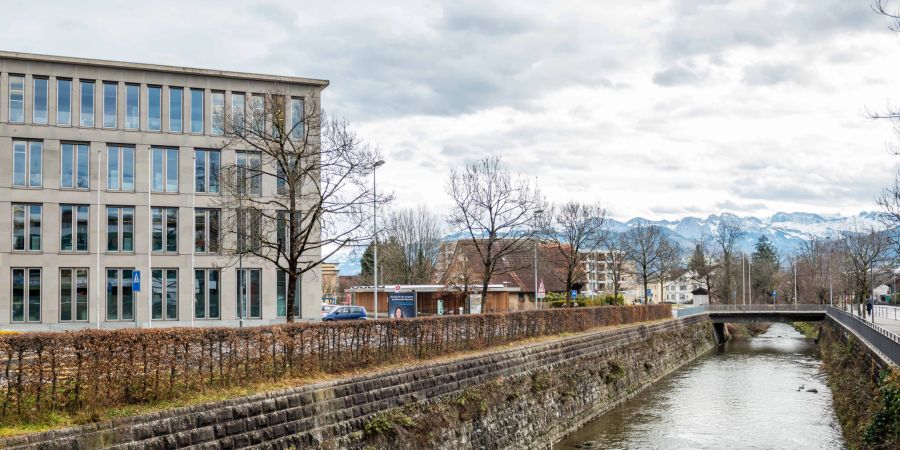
(108, 195)
(599, 276)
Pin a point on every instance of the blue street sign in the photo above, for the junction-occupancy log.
(649, 292)
(774, 294)
(574, 293)
(136, 281)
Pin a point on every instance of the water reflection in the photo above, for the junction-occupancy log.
(749, 394)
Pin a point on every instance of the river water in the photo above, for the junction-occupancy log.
(741, 396)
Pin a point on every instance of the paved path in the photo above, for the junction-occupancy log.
(887, 317)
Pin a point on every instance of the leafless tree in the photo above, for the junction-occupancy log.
(495, 209)
(418, 234)
(322, 198)
(726, 238)
(702, 264)
(865, 254)
(649, 251)
(575, 230)
(817, 270)
(617, 261)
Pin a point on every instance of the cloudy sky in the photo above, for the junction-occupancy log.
(658, 108)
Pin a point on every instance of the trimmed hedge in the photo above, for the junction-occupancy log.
(85, 370)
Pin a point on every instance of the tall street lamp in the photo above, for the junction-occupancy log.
(377, 164)
(537, 217)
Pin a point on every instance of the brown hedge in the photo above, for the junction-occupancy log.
(82, 371)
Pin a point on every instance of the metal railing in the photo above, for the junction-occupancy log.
(800, 307)
(684, 312)
(884, 341)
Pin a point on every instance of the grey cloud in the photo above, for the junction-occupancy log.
(774, 73)
(705, 27)
(680, 74)
(732, 206)
(483, 18)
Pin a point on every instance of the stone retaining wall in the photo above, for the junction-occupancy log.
(527, 396)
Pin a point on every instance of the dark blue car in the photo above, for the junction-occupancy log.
(345, 313)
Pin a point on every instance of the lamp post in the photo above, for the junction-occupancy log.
(537, 217)
(375, 166)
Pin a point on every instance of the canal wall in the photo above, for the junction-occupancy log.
(865, 388)
(526, 396)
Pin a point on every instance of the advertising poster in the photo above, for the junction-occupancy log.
(474, 303)
(401, 304)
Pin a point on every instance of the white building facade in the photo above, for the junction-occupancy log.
(110, 174)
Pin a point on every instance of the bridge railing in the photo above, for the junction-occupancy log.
(685, 312)
(883, 340)
(800, 307)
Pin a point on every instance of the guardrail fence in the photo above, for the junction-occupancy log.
(883, 340)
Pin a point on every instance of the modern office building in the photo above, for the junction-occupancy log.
(110, 172)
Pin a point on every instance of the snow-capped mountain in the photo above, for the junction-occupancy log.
(787, 231)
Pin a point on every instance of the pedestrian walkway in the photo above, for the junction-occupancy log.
(887, 317)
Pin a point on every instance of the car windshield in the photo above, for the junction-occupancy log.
(327, 308)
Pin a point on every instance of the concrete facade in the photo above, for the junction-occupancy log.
(50, 194)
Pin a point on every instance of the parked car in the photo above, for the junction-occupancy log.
(345, 313)
(326, 308)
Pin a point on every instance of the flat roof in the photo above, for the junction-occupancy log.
(161, 68)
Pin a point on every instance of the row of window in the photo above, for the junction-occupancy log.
(120, 168)
(120, 298)
(120, 225)
(66, 98)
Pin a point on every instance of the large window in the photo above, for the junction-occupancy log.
(39, 102)
(26, 295)
(296, 118)
(165, 294)
(283, 231)
(110, 98)
(197, 111)
(286, 171)
(16, 99)
(120, 228)
(165, 229)
(237, 110)
(281, 296)
(249, 304)
(165, 169)
(73, 295)
(257, 113)
(206, 230)
(250, 172)
(87, 103)
(154, 108)
(217, 99)
(206, 171)
(75, 163)
(176, 109)
(120, 168)
(206, 293)
(73, 228)
(28, 163)
(119, 296)
(248, 229)
(132, 106)
(63, 102)
(26, 227)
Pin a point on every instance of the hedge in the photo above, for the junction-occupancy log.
(83, 371)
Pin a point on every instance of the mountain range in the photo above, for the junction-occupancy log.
(787, 231)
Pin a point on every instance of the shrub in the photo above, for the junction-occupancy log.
(82, 371)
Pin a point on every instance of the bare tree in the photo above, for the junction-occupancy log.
(575, 230)
(322, 198)
(865, 254)
(617, 261)
(418, 234)
(702, 264)
(726, 239)
(495, 210)
(817, 270)
(671, 262)
(648, 250)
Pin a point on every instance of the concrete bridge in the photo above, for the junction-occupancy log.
(881, 341)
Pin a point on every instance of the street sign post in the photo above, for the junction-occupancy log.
(397, 288)
(136, 281)
(541, 293)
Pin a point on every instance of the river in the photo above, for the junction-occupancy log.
(743, 395)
